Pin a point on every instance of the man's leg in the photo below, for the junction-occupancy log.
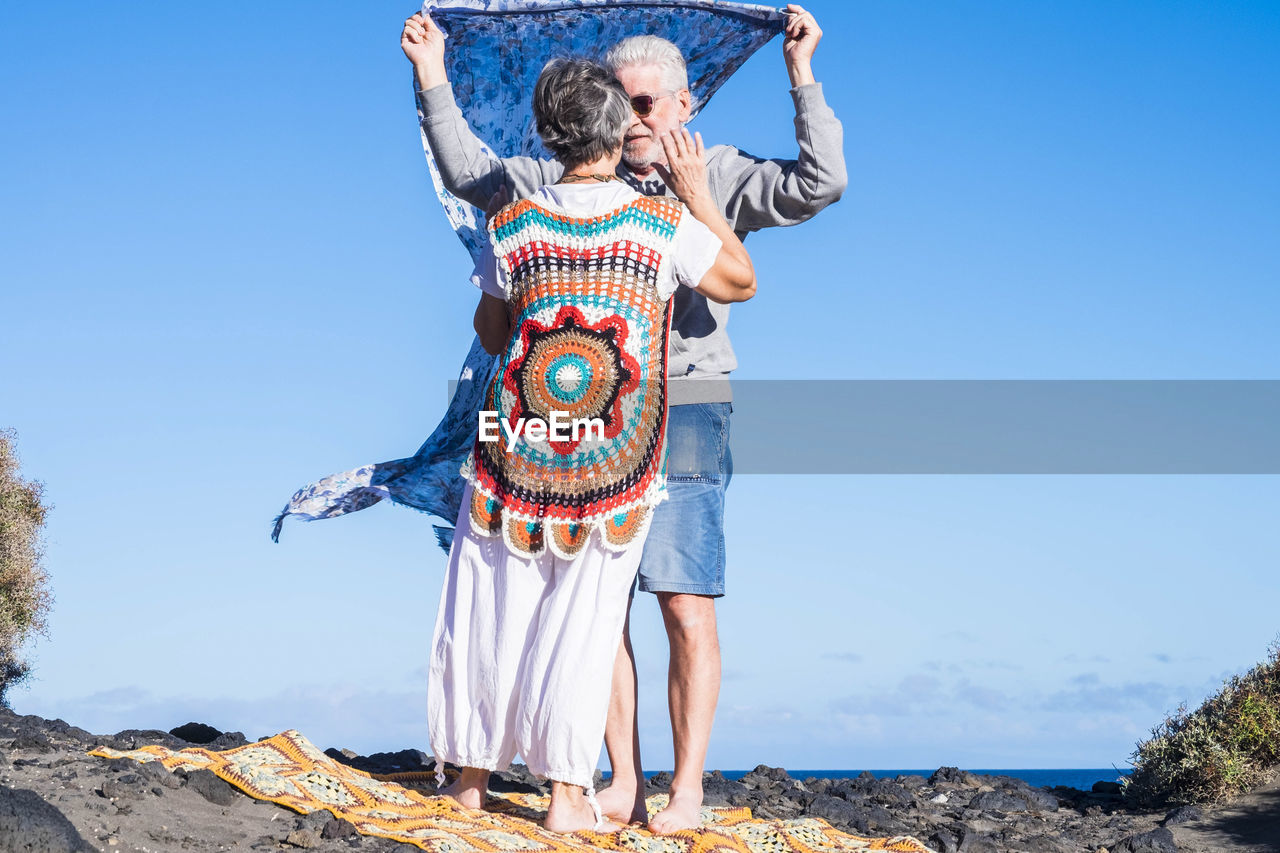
(624, 798)
(693, 687)
(684, 565)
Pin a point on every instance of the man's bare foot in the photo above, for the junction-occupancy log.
(469, 790)
(684, 811)
(570, 811)
(622, 803)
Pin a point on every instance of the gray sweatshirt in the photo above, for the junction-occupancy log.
(753, 194)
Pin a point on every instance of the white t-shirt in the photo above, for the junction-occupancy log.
(693, 249)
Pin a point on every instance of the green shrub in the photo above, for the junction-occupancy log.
(24, 586)
(1224, 747)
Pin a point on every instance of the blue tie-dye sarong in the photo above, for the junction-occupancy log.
(495, 51)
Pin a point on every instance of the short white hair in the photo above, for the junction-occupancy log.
(650, 50)
(581, 110)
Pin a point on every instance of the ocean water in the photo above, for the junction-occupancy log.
(1037, 777)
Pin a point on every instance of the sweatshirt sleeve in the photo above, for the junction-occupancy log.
(468, 169)
(758, 193)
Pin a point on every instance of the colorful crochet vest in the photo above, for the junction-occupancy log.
(588, 344)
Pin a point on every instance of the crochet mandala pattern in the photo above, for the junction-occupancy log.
(289, 770)
(589, 343)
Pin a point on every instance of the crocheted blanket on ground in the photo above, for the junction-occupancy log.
(289, 770)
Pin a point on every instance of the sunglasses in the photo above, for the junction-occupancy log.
(642, 105)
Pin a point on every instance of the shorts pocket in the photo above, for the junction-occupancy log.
(697, 442)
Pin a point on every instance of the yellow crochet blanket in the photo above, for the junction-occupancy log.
(289, 770)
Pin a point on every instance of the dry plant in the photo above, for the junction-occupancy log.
(24, 585)
(1228, 745)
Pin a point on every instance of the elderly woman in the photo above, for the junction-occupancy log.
(569, 460)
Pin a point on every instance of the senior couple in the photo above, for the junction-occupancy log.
(606, 296)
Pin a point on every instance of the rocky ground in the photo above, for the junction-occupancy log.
(55, 798)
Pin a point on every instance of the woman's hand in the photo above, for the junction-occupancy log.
(497, 201)
(732, 278)
(685, 172)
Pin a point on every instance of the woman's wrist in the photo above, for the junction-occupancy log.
(701, 205)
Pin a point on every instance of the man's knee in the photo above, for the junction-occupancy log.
(688, 615)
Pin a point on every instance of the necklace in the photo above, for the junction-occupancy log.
(571, 178)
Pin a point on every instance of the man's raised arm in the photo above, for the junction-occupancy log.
(764, 193)
(468, 170)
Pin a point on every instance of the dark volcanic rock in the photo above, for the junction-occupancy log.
(156, 772)
(888, 793)
(768, 779)
(716, 790)
(336, 828)
(881, 821)
(228, 740)
(62, 731)
(304, 838)
(850, 789)
(134, 738)
(998, 801)
(37, 741)
(777, 774)
(1107, 787)
(207, 784)
(973, 841)
(30, 825)
(943, 842)
(1040, 800)
(517, 780)
(1156, 841)
(814, 784)
(196, 733)
(1183, 814)
(119, 789)
(659, 782)
(404, 761)
(953, 777)
(838, 812)
(1045, 844)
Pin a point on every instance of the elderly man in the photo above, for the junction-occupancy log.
(683, 561)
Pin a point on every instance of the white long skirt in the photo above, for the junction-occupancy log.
(523, 652)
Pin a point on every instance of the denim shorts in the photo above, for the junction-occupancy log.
(685, 548)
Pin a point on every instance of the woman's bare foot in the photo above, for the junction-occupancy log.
(570, 811)
(623, 803)
(684, 811)
(470, 789)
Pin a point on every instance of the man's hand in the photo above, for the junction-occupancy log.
(799, 40)
(685, 172)
(423, 43)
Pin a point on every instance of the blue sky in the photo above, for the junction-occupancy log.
(225, 274)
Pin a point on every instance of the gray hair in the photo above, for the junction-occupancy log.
(581, 110)
(650, 50)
